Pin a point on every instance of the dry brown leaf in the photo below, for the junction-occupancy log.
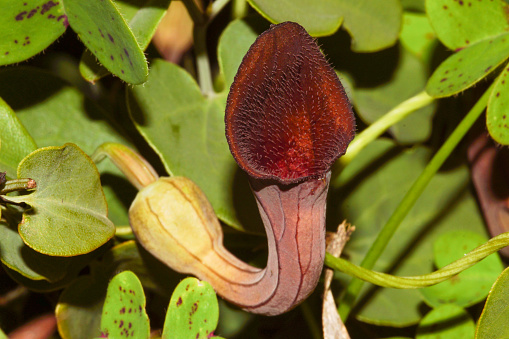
(333, 327)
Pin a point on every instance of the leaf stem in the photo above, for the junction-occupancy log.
(18, 185)
(239, 9)
(195, 12)
(202, 59)
(376, 129)
(136, 169)
(216, 7)
(446, 272)
(201, 21)
(355, 285)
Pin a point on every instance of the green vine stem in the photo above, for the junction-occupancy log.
(136, 169)
(216, 7)
(355, 285)
(18, 185)
(379, 127)
(446, 272)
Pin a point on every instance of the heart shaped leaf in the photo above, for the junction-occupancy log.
(68, 209)
(187, 131)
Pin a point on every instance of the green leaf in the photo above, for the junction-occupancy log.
(408, 79)
(373, 24)
(447, 321)
(143, 17)
(28, 27)
(493, 320)
(366, 194)
(187, 131)
(193, 311)
(417, 35)
(15, 142)
(124, 308)
(234, 43)
(470, 286)
(24, 260)
(465, 68)
(462, 23)
(497, 118)
(52, 111)
(106, 34)
(68, 209)
(318, 18)
(72, 270)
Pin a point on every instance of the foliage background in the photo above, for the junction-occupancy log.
(172, 114)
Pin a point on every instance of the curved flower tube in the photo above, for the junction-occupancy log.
(287, 120)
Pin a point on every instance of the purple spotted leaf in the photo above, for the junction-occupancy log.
(28, 27)
(193, 311)
(106, 34)
(143, 17)
(461, 23)
(497, 115)
(124, 313)
(467, 67)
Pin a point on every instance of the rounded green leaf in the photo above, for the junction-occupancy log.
(497, 116)
(187, 131)
(373, 24)
(106, 34)
(417, 35)
(28, 27)
(319, 18)
(52, 111)
(470, 286)
(462, 23)
(447, 321)
(193, 311)
(143, 18)
(465, 68)
(15, 142)
(68, 209)
(493, 320)
(124, 308)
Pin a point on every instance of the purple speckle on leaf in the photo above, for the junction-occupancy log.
(47, 6)
(20, 16)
